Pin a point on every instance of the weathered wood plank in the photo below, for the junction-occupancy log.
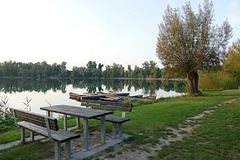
(109, 103)
(40, 123)
(31, 114)
(77, 111)
(35, 118)
(114, 119)
(107, 107)
(60, 135)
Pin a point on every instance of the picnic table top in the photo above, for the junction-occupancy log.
(77, 111)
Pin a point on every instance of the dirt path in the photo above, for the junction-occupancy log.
(125, 151)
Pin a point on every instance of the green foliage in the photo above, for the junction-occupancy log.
(210, 80)
(92, 70)
(6, 121)
(217, 80)
(229, 83)
(37, 70)
(188, 42)
(232, 64)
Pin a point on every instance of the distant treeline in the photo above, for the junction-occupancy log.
(38, 70)
(91, 70)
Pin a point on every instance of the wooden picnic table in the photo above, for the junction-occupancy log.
(83, 113)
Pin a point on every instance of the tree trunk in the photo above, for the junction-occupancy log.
(192, 83)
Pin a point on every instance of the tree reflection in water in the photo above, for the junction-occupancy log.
(12, 85)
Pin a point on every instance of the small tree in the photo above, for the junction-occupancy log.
(232, 64)
(188, 42)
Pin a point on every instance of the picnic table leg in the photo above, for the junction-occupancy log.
(123, 114)
(120, 129)
(22, 134)
(77, 122)
(57, 151)
(68, 149)
(103, 132)
(85, 134)
(65, 122)
(114, 130)
(48, 113)
(32, 136)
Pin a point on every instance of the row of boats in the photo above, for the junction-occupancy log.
(110, 96)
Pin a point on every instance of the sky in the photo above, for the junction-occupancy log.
(105, 31)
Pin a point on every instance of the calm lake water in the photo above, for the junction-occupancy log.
(47, 92)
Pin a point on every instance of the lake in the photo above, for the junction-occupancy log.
(45, 92)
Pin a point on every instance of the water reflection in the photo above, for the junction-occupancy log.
(9, 85)
(91, 85)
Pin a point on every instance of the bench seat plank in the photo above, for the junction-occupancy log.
(60, 135)
(114, 119)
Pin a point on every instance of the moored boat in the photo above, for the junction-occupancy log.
(96, 96)
(111, 99)
(136, 96)
(152, 97)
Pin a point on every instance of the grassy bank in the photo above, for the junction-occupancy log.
(216, 138)
(173, 111)
(148, 118)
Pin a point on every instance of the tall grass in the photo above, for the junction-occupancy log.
(6, 121)
(217, 80)
(210, 80)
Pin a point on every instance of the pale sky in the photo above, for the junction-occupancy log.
(105, 31)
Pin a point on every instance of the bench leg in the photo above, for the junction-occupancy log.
(57, 151)
(123, 114)
(32, 136)
(114, 130)
(85, 134)
(48, 113)
(77, 122)
(65, 122)
(103, 132)
(120, 129)
(22, 135)
(68, 149)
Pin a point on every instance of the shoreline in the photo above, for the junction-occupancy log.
(161, 79)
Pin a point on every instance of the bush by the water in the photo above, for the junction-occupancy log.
(6, 121)
(216, 80)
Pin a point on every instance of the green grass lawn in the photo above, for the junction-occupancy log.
(171, 112)
(174, 111)
(29, 151)
(217, 137)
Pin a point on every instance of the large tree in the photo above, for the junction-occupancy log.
(188, 42)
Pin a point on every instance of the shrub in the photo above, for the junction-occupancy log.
(210, 80)
(6, 120)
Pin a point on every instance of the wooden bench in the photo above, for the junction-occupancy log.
(116, 121)
(45, 126)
